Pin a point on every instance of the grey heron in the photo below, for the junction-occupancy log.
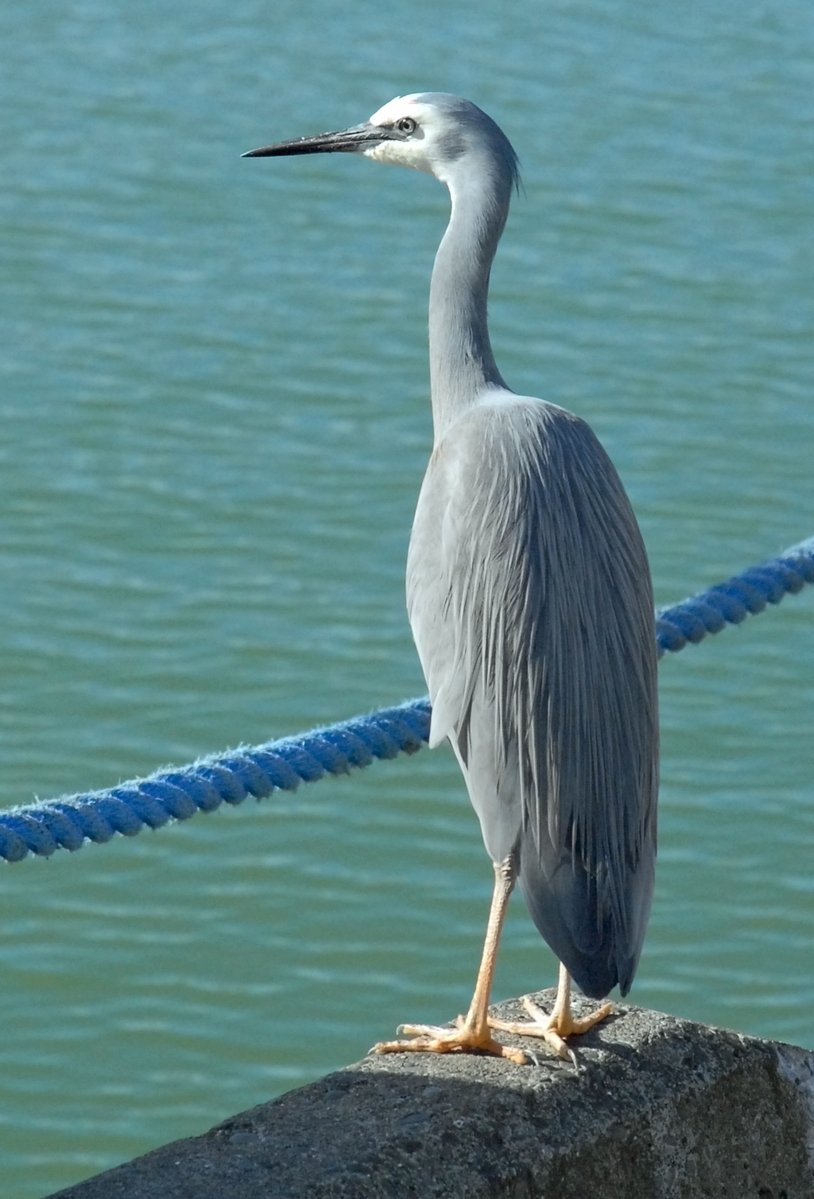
(530, 602)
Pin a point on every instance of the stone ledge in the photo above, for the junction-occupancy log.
(661, 1109)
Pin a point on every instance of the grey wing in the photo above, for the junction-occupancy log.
(531, 605)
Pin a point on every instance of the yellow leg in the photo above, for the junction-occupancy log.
(472, 1032)
(554, 1028)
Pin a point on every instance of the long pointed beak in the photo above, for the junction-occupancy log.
(347, 140)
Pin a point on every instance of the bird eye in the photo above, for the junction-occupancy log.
(406, 125)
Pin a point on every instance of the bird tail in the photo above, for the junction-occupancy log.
(599, 948)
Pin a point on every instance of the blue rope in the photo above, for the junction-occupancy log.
(731, 602)
(177, 794)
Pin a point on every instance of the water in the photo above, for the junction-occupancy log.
(214, 420)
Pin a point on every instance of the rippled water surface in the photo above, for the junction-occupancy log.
(214, 422)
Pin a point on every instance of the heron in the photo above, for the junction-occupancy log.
(531, 606)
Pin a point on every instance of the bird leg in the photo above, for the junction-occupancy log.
(471, 1033)
(554, 1028)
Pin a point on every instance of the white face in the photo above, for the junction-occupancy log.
(417, 150)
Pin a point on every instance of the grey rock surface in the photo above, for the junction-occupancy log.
(661, 1108)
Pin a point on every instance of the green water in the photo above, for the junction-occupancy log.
(214, 422)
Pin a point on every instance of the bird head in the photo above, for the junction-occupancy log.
(428, 131)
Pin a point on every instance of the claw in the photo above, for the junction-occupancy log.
(428, 1038)
(554, 1028)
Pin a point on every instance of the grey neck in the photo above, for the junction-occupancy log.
(461, 359)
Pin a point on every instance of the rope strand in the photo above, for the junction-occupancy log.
(178, 793)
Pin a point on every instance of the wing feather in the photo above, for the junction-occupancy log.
(530, 600)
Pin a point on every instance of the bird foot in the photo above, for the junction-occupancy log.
(553, 1028)
(464, 1038)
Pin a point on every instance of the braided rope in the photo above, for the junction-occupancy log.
(229, 777)
(731, 602)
